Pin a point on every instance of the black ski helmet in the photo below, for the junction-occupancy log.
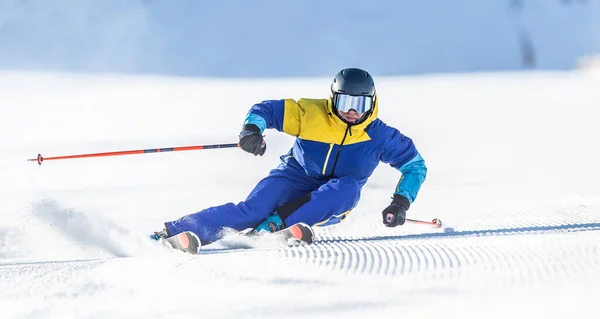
(355, 82)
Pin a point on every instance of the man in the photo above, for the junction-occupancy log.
(340, 141)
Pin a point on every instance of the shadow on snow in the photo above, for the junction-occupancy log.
(451, 233)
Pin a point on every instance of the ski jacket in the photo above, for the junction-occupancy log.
(326, 147)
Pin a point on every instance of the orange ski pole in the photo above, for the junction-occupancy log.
(39, 159)
(436, 222)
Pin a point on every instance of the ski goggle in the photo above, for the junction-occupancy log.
(358, 103)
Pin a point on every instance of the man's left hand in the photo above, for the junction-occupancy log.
(395, 214)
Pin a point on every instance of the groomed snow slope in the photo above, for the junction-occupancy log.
(512, 173)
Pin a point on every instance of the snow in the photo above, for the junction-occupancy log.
(513, 174)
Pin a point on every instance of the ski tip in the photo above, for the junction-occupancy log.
(302, 232)
(296, 231)
(196, 243)
(184, 240)
(310, 229)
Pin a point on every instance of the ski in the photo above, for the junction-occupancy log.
(186, 241)
(295, 235)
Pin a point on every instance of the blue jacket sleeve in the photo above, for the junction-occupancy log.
(414, 173)
(401, 153)
(267, 114)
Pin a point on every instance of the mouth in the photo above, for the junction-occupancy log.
(351, 119)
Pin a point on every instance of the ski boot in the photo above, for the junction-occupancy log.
(158, 235)
(272, 224)
(294, 235)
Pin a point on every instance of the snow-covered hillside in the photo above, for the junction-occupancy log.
(513, 173)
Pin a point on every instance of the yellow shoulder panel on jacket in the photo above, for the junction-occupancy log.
(318, 124)
(315, 120)
(292, 114)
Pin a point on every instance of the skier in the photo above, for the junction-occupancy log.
(339, 143)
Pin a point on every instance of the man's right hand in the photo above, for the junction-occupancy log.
(252, 141)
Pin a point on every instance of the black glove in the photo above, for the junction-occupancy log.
(395, 214)
(252, 141)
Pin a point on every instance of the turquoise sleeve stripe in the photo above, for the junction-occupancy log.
(257, 120)
(267, 114)
(414, 173)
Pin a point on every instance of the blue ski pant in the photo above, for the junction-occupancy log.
(330, 201)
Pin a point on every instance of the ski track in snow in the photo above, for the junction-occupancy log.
(494, 248)
(468, 257)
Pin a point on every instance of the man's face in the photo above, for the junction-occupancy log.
(350, 116)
